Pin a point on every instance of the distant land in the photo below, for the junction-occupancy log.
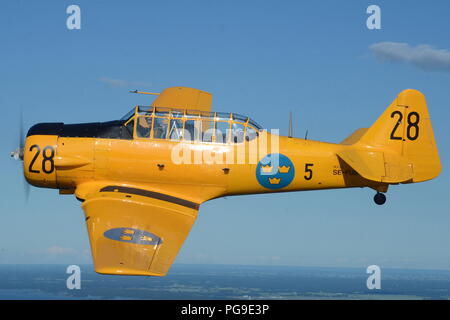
(187, 281)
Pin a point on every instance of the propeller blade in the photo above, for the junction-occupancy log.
(21, 135)
(26, 187)
(18, 154)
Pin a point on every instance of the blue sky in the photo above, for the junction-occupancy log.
(260, 58)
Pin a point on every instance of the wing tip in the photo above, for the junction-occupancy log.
(127, 272)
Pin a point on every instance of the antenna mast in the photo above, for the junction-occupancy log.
(143, 92)
(290, 131)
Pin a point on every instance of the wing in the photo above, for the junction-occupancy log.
(136, 232)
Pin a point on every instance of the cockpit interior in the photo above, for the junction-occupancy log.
(144, 122)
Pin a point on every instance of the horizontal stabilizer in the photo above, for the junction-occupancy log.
(378, 166)
(355, 136)
(369, 165)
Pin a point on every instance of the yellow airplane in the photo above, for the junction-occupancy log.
(142, 179)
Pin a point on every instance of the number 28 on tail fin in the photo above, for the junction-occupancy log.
(400, 146)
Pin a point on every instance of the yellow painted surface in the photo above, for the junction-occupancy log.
(184, 98)
(398, 148)
(34, 164)
(111, 210)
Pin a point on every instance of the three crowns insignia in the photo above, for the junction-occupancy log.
(284, 169)
(274, 180)
(268, 169)
(281, 169)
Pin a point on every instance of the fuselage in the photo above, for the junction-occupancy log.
(66, 158)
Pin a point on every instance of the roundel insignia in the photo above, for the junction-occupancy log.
(131, 235)
(275, 171)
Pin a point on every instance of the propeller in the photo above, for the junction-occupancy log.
(18, 155)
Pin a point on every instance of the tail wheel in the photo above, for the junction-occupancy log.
(379, 198)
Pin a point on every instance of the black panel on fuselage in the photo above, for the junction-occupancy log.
(108, 130)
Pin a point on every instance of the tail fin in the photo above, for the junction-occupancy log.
(399, 146)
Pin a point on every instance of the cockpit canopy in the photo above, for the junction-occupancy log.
(189, 125)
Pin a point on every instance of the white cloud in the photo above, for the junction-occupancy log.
(123, 83)
(422, 56)
(55, 250)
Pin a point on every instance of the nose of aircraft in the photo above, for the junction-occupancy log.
(39, 154)
(17, 154)
(46, 129)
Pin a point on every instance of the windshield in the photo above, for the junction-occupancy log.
(128, 115)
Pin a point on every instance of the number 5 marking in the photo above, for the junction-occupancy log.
(309, 171)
